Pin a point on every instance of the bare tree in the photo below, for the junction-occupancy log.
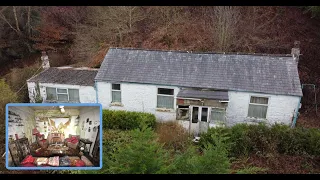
(224, 25)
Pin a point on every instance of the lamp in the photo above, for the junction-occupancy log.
(62, 109)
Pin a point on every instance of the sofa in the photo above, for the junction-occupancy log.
(72, 141)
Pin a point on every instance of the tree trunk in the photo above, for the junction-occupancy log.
(16, 18)
(28, 22)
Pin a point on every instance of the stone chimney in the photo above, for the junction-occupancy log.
(295, 51)
(45, 60)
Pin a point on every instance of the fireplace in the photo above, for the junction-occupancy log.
(55, 138)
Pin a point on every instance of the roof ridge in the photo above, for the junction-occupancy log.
(196, 52)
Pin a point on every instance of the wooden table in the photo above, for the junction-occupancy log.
(58, 149)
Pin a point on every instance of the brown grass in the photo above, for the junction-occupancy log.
(173, 136)
(281, 164)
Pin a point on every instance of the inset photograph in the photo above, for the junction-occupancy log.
(53, 136)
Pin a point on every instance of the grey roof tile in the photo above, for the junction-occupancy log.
(63, 75)
(239, 72)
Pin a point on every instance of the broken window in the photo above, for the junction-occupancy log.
(165, 98)
(218, 115)
(116, 93)
(258, 107)
(183, 113)
(62, 95)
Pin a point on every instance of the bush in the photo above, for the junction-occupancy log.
(173, 136)
(212, 160)
(126, 120)
(17, 80)
(142, 155)
(244, 139)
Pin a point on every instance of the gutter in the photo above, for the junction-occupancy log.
(296, 115)
(189, 98)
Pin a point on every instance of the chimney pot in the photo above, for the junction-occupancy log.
(295, 51)
(45, 60)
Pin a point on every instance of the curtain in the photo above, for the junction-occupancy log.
(258, 111)
(63, 97)
(116, 96)
(74, 95)
(51, 93)
(165, 102)
(217, 115)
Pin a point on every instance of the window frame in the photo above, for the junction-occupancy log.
(256, 104)
(165, 95)
(213, 121)
(115, 90)
(59, 93)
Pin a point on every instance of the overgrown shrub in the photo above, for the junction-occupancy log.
(261, 139)
(173, 136)
(127, 120)
(212, 160)
(142, 155)
(17, 80)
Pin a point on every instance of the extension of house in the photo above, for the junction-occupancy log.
(199, 90)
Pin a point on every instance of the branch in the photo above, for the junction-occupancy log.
(16, 18)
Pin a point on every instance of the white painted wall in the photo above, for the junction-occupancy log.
(93, 113)
(281, 108)
(27, 117)
(136, 97)
(87, 94)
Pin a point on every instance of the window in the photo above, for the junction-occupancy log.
(258, 107)
(165, 98)
(204, 114)
(217, 115)
(183, 113)
(116, 93)
(62, 95)
(195, 111)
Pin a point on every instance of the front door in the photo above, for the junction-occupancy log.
(199, 120)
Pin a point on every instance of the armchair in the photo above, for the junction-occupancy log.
(72, 141)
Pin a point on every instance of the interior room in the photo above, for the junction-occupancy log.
(53, 136)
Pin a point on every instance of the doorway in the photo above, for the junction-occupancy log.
(199, 120)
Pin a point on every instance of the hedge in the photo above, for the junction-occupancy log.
(127, 120)
(244, 139)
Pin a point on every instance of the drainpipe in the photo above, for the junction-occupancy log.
(296, 115)
(96, 88)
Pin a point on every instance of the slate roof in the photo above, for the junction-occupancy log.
(271, 74)
(66, 75)
(192, 93)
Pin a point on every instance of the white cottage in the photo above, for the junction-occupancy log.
(199, 90)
